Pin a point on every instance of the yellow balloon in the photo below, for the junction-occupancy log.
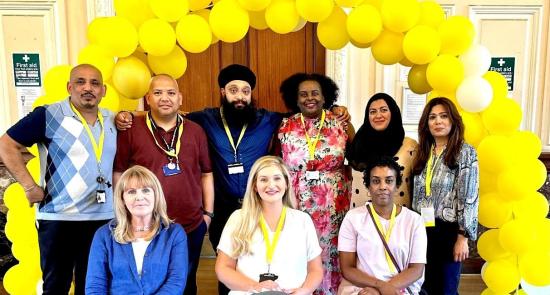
(14, 197)
(488, 181)
(417, 79)
(281, 16)
(131, 77)
(405, 62)
(33, 150)
(193, 33)
(488, 246)
(474, 131)
(364, 24)
(169, 10)
(498, 83)
(257, 20)
(494, 210)
(173, 64)
(542, 228)
(526, 144)
(136, 11)
(315, 10)
(431, 14)
(375, 3)
(55, 81)
(533, 206)
(502, 117)
(349, 3)
(332, 31)
(254, 5)
(301, 24)
(445, 73)
(119, 37)
(502, 276)
(359, 44)
(488, 291)
(127, 104)
(534, 267)
(196, 5)
(457, 35)
(110, 101)
(96, 28)
(494, 153)
(421, 44)
(400, 15)
(97, 56)
(439, 93)
(17, 281)
(33, 165)
(229, 22)
(387, 49)
(517, 236)
(205, 13)
(157, 37)
(522, 178)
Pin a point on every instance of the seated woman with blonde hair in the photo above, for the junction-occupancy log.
(267, 246)
(140, 251)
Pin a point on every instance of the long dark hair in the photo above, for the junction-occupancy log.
(426, 140)
(369, 144)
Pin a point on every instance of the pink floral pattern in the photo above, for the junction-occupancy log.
(328, 199)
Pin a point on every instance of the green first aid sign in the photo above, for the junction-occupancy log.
(26, 70)
(506, 67)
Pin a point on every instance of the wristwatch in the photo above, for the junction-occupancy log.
(464, 233)
(209, 214)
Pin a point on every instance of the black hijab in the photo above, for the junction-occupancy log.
(370, 144)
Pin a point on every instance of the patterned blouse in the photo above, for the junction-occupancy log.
(455, 192)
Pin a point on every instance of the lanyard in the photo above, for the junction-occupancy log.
(98, 148)
(385, 233)
(170, 148)
(430, 169)
(270, 245)
(230, 137)
(312, 144)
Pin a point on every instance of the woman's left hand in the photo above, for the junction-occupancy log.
(342, 114)
(297, 291)
(461, 250)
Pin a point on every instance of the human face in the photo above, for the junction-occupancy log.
(271, 184)
(439, 122)
(238, 93)
(164, 97)
(382, 186)
(139, 200)
(379, 115)
(310, 98)
(86, 88)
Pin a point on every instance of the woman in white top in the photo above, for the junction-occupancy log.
(366, 266)
(289, 260)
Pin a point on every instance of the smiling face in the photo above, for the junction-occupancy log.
(139, 200)
(382, 186)
(379, 115)
(310, 98)
(439, 122)
(86, 87)
(164, 97)
(271, 184)
(238, 93)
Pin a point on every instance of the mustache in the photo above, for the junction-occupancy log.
(88, 93)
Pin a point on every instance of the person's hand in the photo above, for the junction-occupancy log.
(386, 288)
(297, 291)
(207, 220)
(268, 285)
(342, 114)
(368, 291)
(34, 195)
(123, 120)
(460, 251)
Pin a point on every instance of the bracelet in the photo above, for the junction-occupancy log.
(30, 188)
(209, 214)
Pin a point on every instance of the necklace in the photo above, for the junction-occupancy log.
(142, 228)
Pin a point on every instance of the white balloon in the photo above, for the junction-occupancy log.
(301, 24)
(476, 60)
(474, 94)
(534, 290)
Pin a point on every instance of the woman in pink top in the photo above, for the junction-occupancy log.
(365, 264)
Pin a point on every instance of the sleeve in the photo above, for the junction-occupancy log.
(467, 191)
(226, 245)
(204, 155)
(31, 129)
(419, 240)
(178, 264)
(195, 117)
(123, 151)
(347, 238)
(97, 275)
(312, 241)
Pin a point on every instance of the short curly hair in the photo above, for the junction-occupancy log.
(289, 89)
(383, 161)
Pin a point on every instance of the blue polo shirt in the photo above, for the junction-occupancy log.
(68, 167)
(255, 144)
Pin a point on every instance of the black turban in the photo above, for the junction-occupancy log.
(236, 72)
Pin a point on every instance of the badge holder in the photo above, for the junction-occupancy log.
(100, 195)
(428, 215)
(171, 169)
(235, 167)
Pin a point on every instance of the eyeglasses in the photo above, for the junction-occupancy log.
(135, 192)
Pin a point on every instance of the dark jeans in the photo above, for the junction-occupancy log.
(442, 274)
(222, 210)
(194, 246)
(64, 249)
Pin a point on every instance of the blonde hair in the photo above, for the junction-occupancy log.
(141, 176)
(252, 204)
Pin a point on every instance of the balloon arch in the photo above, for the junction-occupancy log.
(153, 36)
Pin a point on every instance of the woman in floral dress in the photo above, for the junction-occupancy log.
(313, 144)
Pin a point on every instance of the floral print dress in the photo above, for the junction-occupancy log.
(326, 199)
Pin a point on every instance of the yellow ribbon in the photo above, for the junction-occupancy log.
(312, 144)
(270, 245)
(430, 170)
(98, 148)
(178, 141)
(385, 233)
(229, 136)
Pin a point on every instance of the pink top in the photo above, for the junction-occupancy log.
(407, 242)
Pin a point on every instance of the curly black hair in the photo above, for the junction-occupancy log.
(383, 161)
(289, 89)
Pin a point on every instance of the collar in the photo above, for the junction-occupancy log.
(68, 112)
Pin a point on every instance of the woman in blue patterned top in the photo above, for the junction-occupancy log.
(445, 193)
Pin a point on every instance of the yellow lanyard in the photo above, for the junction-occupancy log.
(230, 137)
(270, 245)
(430, 170)
(385, 233)
(312, 144)
(98, 148)
(171, 153)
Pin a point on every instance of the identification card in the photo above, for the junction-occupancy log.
(235, 168)
(171, 169)
(312, 175)
(100, 196)
(428, 215)
(268, 277)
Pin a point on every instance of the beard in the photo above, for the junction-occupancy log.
(239, 116)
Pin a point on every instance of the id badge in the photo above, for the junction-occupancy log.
(235, 168)
(428, 215)
(171, 169)
(312, 175)
(100, 196)
(268, 276)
